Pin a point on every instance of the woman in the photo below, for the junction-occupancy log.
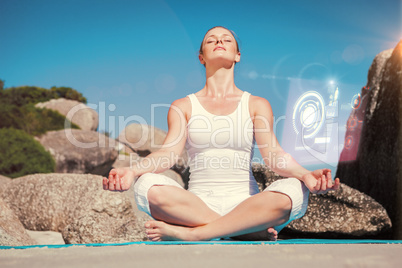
(219, 126)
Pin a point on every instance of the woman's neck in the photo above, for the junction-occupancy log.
(220, 82)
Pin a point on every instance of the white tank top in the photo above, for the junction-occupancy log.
(220, 149)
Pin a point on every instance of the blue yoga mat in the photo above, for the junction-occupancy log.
(222, 242)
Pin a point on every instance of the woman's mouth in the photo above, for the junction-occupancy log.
(219, 48)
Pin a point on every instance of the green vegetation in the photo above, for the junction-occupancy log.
(21, 154)
(17, 109)
(68, 93)
(28, 94)
(32, 120)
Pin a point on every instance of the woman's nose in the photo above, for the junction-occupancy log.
(219, 41)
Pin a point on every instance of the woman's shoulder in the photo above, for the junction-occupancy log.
(184, 105)
(259, 105)
(259, 101)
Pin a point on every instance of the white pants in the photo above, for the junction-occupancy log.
(223, 202)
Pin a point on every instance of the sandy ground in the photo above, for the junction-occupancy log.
(338, 255)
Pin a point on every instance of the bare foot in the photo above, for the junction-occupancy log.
(161, 231)
(266, 235)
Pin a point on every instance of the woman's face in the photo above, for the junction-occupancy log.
(219, 43)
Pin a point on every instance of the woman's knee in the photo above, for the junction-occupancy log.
(154, 187)
(282, 204)
(156, 195)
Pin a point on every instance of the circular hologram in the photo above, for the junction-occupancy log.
(348, 142)
(352, 123)
(356, 101)
(308, 114)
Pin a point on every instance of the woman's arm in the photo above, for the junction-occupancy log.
(120, 179)
(173, 145)
(319, 181)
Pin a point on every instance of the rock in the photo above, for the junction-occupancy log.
(126, 160)
(80, 151)
(67, 203)
(343, 213)
(46, 237)
(90, 228)
(374, 78)
(361, 110)
(129, 160)
(144, 139)
(77, 112)
(376, 168)
(12, 232)
(3, 182)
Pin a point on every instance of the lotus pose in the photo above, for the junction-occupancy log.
(219, 126)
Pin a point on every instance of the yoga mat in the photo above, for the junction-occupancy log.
(222, 242)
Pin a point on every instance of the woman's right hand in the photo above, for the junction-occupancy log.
(120, 179)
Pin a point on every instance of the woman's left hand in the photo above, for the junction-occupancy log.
(320, 181)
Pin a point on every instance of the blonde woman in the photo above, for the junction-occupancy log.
(219, 126)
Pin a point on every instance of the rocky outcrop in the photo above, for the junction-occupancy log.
(126, 160)
(129, 160)
(144, 139)
(343, 213)
(100, 228)
(12, 232)
(3, 182)
(80, 151)
(375, 169)
(77, 112)
(46, 237)
(362, 108)
(74, 204)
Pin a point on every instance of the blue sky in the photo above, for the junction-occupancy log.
(129, 55)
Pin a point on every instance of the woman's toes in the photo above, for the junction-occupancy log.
(152, 224)
(150, 231)
(153, 236)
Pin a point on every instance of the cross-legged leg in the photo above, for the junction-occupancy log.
(164, 199)
(179, 207)
(256, 213)
(167, 201)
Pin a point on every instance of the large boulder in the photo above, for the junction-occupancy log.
(376, 168)
(364, 107)
(129, 160)
(12, 232)
(74, 204)
(80, 151)
(142, 139)
(75, 111)
(343, 213)
(3, 182)
(46, 237)
(95, 227)
(145, 139)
